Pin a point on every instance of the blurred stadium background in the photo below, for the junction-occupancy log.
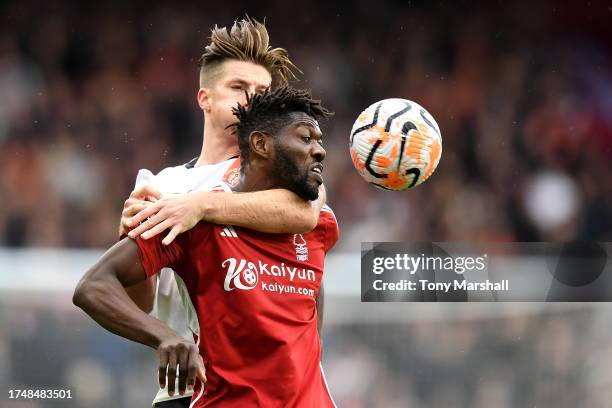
(522, 92)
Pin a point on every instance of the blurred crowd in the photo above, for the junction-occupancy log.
(545, 360)
(91, 93)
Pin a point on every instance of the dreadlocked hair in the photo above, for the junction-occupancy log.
(268, 113)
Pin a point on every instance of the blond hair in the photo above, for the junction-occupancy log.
(247, 40)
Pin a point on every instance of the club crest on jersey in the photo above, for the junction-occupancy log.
(232, 176)
(240, 275)
(301, 250)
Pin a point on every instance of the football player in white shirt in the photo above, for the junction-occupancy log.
(236, 62)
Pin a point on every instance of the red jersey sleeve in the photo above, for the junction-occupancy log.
(332, 232)
(154, 255)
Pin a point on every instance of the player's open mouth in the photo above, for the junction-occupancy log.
(317, 169)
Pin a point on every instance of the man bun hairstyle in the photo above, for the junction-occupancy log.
(247, 40)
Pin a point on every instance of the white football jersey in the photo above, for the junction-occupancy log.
(172, 303)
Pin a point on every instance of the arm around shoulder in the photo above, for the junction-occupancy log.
(274, 211)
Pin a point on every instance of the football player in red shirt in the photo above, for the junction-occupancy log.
(255, 293)
(237, 60)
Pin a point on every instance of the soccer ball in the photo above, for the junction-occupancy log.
(395, 144)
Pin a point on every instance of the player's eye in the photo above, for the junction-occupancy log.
(237, 87)
(306, 138)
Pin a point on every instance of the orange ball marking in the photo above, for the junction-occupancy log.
(394, 181)
(394, 152)
(383, 162)
(377, 133)
(424, 130)
(415, 146)
(434, 155)
(356, 161)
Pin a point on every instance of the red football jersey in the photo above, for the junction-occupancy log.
(255, 295)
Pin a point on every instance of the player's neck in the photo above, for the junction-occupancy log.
(254, 178)
(218, 146)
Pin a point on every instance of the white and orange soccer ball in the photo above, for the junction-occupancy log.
(395, 144)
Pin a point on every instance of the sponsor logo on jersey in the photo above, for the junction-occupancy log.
(301, 250)
(243, 274)
(240, 275)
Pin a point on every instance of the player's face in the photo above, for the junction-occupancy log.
(236, 78)
(298, 156)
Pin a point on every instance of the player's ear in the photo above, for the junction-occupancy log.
(261, 144)
(204, 99)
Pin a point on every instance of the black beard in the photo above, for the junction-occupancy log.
(289, 177)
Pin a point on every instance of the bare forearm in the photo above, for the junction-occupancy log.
(108, 304)
(101, 294)
(143, 294)
(275, 211)
(242, 209)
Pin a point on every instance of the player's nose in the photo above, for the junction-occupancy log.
(251, 90)
(243, 101)
(318, 152)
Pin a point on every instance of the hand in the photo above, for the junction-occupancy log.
(139, 199)
(179, 213)
(185, 354)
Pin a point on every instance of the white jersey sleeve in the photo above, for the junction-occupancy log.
(145, 177)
